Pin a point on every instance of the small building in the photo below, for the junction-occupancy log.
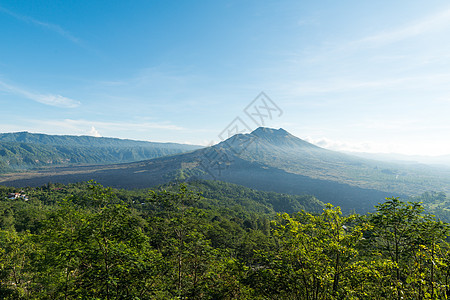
(12, 196)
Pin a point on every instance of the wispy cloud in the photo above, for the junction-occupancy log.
(109, 126)
(429, 24)
(47, 99)
(334, 86)
(48, 26)
(404, 146)
(335, 51)
(86, 127)
(339, 145)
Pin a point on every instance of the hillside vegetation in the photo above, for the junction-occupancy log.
(84, 241)
(22, 151)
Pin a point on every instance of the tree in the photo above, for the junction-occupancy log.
(179, 230)
(15, 274)
(315, 259)
(97, 252)
(409, 242)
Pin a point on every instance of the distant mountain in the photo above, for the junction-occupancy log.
(24, 150)
(270, 160)
(281, 150)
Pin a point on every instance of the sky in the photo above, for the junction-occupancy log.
(366, 76)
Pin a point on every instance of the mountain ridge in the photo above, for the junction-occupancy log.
(23, 150)
(87, 140)
(276, 137)
(266, 159)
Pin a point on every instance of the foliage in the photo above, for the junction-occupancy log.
(437, 203)
(85, 241)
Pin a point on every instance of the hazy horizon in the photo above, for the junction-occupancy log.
(383, 156)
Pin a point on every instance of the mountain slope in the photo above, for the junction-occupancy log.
(23, 150)
(269, 160)
(281, 150)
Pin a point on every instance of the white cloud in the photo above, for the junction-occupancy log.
(94, 132)
(48, 99)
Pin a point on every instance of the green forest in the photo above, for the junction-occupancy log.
(214, 240)
(22, 151)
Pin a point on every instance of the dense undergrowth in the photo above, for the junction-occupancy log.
(84, 241)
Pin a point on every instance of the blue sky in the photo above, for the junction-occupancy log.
(370, 76)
